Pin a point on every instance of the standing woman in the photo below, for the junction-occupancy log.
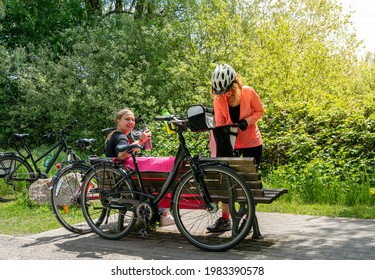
(235, 103)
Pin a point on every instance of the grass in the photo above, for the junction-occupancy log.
(358, 211)
(22, 218)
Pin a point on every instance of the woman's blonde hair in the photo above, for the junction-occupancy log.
(122, 112)
(118, 116)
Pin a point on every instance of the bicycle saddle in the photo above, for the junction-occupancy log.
(84, 142)
(20, 136)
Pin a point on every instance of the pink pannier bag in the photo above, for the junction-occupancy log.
(162, 164)
(151, 164)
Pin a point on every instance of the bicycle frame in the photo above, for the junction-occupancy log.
(114, 199)
(183, 154)
(61, 145)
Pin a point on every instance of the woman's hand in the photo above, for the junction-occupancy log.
(243, 124)
(145, 136)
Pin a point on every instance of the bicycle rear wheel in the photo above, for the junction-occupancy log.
(66, 197)
(193, 218)
(107, 197)
(16, 175)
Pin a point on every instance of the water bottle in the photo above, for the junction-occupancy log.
(148, 145)
(47, 160)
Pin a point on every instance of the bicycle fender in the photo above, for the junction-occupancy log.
(5, 154)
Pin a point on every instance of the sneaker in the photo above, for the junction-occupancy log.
(166, 220)
(220, 225)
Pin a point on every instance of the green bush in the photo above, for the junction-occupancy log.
(319, 181)
(319, 123)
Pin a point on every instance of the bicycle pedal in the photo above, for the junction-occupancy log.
(143, 233)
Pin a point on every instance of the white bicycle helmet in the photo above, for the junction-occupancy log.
(222, 78)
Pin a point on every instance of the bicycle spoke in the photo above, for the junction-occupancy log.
(193, 219)
(65, 198)
(104, 209)
(16, 176)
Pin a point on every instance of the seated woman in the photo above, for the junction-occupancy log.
(125, 122)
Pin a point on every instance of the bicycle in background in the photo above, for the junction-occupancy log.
(21, 168)
(66, 191)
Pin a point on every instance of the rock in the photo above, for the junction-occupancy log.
(68, 187)
(39, 192)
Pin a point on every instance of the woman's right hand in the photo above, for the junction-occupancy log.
(145, 136)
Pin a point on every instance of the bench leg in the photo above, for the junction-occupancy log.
(256, 231)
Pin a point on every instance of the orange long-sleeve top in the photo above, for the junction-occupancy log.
(251, 109)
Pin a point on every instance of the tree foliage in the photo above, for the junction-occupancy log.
(26, 22)
(84, 60)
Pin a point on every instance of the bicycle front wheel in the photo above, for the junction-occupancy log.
(16, 175)
(107, 198)
(66, 198)
(193, 218)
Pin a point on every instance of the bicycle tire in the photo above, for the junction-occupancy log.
(104, 212)
(66, 196)
(16, 175)
(192, 218)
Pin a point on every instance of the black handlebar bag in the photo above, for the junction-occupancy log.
(224, 147)
(201, 118)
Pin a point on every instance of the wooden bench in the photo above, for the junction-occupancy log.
(246, 167)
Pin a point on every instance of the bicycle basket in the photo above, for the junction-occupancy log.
(200, 118)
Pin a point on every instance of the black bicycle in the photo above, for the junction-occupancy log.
(66, 191)
(66, 185)
(113, 204)
(20, 168)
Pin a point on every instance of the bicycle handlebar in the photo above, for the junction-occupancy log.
(62, 130)
(163, 118)
(127, 147)
(182, 123)
(173, 119)
(68, 126)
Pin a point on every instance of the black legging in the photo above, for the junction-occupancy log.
(255, 152)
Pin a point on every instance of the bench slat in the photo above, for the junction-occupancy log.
(245, 164)
(270, 195)
(245, 167)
